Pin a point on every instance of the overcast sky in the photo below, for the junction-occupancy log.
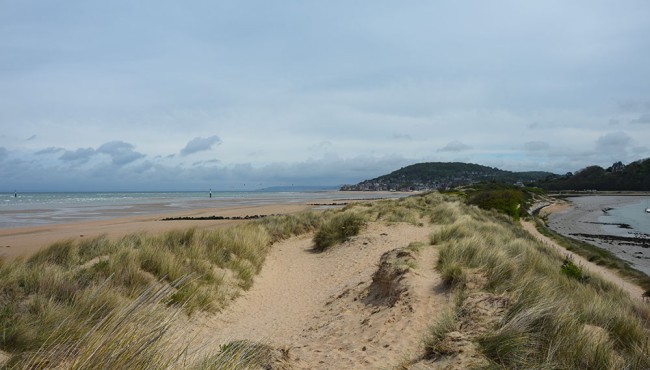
(186, 95)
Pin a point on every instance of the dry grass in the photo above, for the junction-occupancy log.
(62, 293)
(338, 229)
(110, 304)
(552, 315)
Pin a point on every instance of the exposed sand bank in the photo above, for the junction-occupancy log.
(579, 219)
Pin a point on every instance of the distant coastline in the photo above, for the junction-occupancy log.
(42, 208)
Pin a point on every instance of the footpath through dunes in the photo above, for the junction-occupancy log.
(634, 290)
(346, 308)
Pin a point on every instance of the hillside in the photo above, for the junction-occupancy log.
(441, 175)
(634, 176)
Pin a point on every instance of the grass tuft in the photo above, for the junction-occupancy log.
(338, 229)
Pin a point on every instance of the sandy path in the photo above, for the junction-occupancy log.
(634, 290)
(316, 305)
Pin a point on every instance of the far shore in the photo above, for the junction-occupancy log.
(578, 218)
(25, 241)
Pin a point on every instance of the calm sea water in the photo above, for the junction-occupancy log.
(631, 214)
(30, 209)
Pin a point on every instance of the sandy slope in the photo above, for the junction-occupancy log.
(322, 307)
(634, 290)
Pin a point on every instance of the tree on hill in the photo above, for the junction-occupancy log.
(441, 175)
(619, 177)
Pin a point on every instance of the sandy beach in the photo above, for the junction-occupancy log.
(25, 241)
(580, 217)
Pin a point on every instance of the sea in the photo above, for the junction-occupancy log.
(35, 209)
(633, 214)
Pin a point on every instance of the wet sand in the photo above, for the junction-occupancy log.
(579, 219)
(25, 241)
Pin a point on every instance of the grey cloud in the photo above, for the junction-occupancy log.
(208, 162)
(121, 153)
(199, 144)
(644, 118)
(402, 137)
(615, 141)
(3, 153)
(80, 155)
(31, 138)
(536, 146)
(614, 122)
(455, 146)
(633, 106)
(142, 167)
(50, 150)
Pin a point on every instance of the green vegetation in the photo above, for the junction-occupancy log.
(510, 200)
(441, 175)
(102, 303)
(338, 229)
(570, 269)
(634, 176)
(61, 293)
(522, 311)
(597, 255)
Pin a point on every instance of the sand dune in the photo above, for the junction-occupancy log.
(320, 307)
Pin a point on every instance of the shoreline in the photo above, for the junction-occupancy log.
(22, 242)
(578, 217)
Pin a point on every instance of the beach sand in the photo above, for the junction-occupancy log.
(25, 241)
(581, 216)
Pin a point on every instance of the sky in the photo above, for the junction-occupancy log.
(189, 95)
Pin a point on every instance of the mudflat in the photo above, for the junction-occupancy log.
(579, 219)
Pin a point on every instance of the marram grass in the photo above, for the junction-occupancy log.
(101, 303)
(61, 293)
(557, 317)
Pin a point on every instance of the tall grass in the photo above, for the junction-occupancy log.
(597, 255)
(138, 335)
(553, 320)
(338, 229)
(73, 286)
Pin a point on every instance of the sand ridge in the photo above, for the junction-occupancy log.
(317, 306)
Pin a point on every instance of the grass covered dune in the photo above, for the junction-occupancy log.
(110, 304)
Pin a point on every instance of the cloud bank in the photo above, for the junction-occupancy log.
(115, 95)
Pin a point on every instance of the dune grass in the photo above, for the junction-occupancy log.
(338, 229)
(138, 335)
(73, 285)
(596, 255)
(557, 317)
(102, 303)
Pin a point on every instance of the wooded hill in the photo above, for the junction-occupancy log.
(442, 175)
(632, 177)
